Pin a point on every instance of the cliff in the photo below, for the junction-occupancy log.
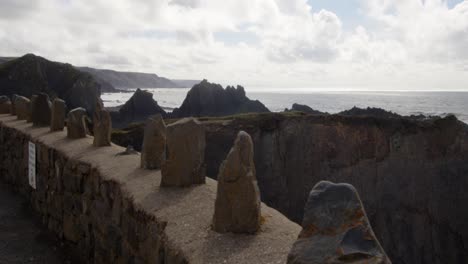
(32, 74)
(209, 99)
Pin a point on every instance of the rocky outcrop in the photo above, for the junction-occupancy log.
(76, 123)
(137, 109)
(153, 150)
(32, 74)
(22, 107)
(5, 105)
(305, 109)
(369, 111)
(185, 148)
(41, 111)
(209, 99)
(237, 207)
(59, 110)
(335, 229)
(102, 126)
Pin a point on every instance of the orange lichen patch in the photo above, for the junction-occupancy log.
(309, 231)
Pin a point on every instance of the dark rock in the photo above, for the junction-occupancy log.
(369, 111)
(237, 206)
(32, 102)
(59, 110)
(185, 148)
(153, 149)
(5, 105)
(41, 111)
(76, 123)
(22, 107)
(305, 109)
(335, 229)
(13, 106)
(207, 99)
(102, 126)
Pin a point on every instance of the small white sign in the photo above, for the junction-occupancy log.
(32, 165)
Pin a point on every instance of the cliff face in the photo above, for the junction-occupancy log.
(412, 175)
(208, 99)
(31, 74)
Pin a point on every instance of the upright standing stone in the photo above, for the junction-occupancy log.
(22, 107)
(59, 109)
(185, 153)
(102, 126)
(153, 149)
(237, 206)
(41, 110)
(31, 107)
(5, 105)
(13, 104)
(76, 124)
(335, 229)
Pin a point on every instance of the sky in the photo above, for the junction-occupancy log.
(316, 44)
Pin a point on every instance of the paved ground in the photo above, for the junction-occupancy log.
(22, 238)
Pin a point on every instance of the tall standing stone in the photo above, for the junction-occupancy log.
(76, 123)
(13, 104)
(237, 206)
(59, 109)
(102, 126)
(335, 229)
(31, 107)
(185, 153)
(22, 108)
(41, 110)
(153, 149)
(5, 105)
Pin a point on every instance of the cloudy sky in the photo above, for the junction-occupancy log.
(360, 44)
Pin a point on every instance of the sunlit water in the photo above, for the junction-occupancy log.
(401, 102)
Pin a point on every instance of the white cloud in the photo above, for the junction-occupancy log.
(406, 44)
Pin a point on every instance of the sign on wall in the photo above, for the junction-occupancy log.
(32, 165)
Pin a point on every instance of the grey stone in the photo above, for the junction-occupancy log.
(41, 110)
(31, 107)
(76, 124)
(13, 106)
(102, 126)
(237, 206)
(59, 109)
(22, 107)
(335, 229)
(154, 143)
(5, 105)
(185, 152)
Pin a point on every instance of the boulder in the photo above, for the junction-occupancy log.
(22, 107)
(76, 124)
(59, 109)
(5, 105)
(154, 143)
(31, 107)
(102, 126)
(185, 152)
(335, 229)
(41, 112)
(237, 206)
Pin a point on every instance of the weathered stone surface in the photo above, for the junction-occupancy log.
(31, 107)
(185, 152)
(5, 105)
(59, 110)
(102, 126)
(41, 110)
(22, 107)
(76, 125)
(13, 106)
(153, 149)
(335, 229)
(237, 206)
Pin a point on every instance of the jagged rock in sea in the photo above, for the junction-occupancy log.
(30, 74)
(209, 99)
(153, 149)
(138, 108)
(59, 110)
(237, 206)
(41, 111)
(22, 107)
(5, 105)
(305, 109)
(369, 111)
(185, 154)
(335, 229)
(76, 123)
(102, 126)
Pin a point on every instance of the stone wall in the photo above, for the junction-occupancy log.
(112, 211)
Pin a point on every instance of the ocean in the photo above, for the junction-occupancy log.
(401, 102)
